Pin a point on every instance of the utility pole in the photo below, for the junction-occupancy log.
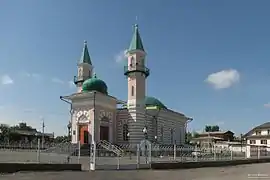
(43, 127)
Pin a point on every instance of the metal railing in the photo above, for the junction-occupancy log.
(126, 156)
(110, 147)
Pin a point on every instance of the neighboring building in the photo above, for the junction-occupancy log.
(222, 135)
(209, 138)
(259, 135)
(95, 115)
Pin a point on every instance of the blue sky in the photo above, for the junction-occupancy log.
(208, 59)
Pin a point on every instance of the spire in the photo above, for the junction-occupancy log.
(85, 58)
(136, 42)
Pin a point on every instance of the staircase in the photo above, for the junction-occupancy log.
(111, 148)
(103, 148)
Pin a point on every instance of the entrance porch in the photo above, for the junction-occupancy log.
(85, 136)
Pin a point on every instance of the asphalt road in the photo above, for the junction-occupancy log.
(243, 172)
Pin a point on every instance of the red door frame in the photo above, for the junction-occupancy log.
(83, 128)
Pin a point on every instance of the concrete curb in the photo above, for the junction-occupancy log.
(15, 167)
(190, 165)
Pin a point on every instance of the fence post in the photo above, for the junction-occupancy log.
(150, 154)
(248, 151)
(138, 156)
(93, 156)
(118, 162)
(259, 152)
(215, 154)
(196, 153)
(231, 153)
(174, 152)
(38, 151)
(79, 151)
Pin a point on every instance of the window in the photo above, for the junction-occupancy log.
(132, 61)
(132, 90)
(171, 136)
(258, 132)
(252, 141)
(74, 132)
(263, 141)
(125, 132)
(268, 132)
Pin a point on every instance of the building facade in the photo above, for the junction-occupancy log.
(95, 115)
(259, 135)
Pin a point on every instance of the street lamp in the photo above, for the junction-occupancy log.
(155, 141)
(69, 131)
(128, 136)
(145, 145)
(145, 132)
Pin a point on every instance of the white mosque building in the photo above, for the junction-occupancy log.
(96, 116)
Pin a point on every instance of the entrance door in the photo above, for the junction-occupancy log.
(84, 134)
(85, 137)
(104, 133)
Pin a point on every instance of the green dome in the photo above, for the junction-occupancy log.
(151, 101)
(94, 84)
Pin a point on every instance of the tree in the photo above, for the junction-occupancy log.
(215, 128)
(209, 128)
(24, 127)
(195, 134)
(5, 132)
(190, 136)
(60, 139)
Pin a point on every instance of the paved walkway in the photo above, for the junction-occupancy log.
(242, 172)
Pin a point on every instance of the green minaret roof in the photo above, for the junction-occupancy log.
(136, 42)
(85, 58)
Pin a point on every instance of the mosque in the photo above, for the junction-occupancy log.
(95, 113)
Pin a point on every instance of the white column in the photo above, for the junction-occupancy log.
(248, 149)
(90, 132)
(77, 132)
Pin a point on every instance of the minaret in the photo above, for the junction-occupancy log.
(85, 68)
(136, 73)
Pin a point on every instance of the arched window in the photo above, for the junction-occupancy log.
(125, 132)
(171, 136)
(132, 61)
(161, 132)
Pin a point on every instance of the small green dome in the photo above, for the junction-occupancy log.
(151, 101)
(94, 84)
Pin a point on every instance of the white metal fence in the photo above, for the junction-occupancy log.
(125, 156)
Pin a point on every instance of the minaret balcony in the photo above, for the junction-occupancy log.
(80, 79)
(132, 69)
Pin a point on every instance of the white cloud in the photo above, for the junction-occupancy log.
(6, 79)
(31, 75)
(58, 81)
(120, 57)
(223, 79)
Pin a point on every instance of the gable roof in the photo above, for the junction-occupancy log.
(262, 126)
